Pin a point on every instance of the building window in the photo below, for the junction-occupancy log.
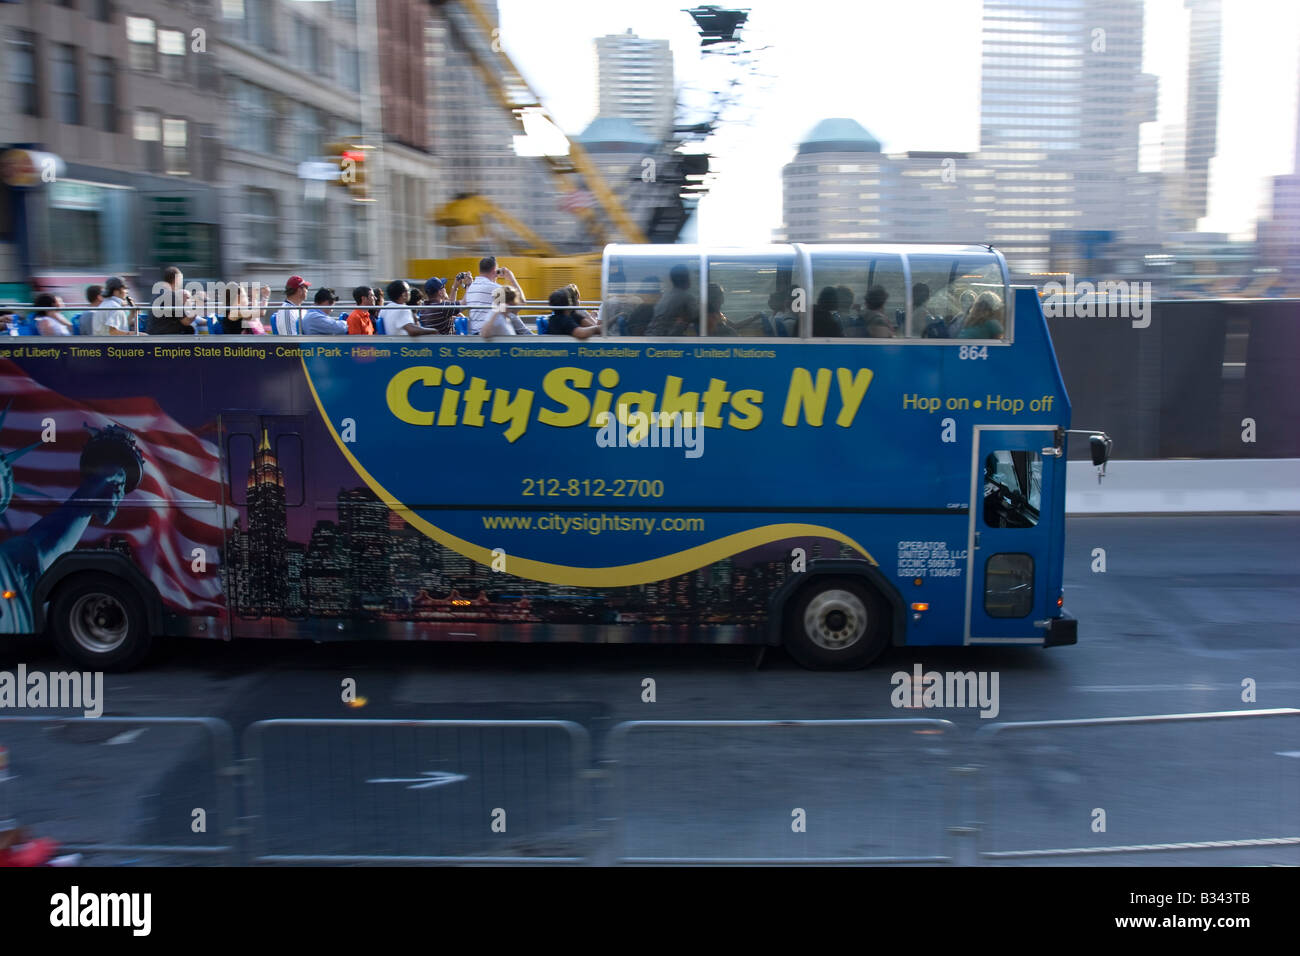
(347, 9)
(102, 10)
(67, 85)
(254, 119)
(310, 133)
(140, 33)
(257, 23)
(22, 72)
(175, 135)
(313, 233)
(262, 224)
(103, 94)
(307, 42)
(171, 45)
(349, 72)
(147, 127)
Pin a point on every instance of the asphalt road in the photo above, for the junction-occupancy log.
(1189, 612)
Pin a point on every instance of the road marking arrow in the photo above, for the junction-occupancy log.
(430, 778)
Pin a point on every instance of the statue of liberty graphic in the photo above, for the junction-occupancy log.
(111, 468)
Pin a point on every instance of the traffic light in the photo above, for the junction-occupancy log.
(351, 161)
(352, 173)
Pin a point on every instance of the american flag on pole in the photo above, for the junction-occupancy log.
(176, 508)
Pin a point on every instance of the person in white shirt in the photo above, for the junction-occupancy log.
(287, 319)
(49, 320)
(117, 321)
(397, 321)
(480, 296)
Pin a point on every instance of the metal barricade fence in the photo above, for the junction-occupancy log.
(1066, 787)
(186, 808)
(712, 798)
(418, 791)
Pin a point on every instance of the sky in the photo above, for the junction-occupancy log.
(825, 59)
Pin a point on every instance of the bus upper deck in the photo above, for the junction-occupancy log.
(907, 292)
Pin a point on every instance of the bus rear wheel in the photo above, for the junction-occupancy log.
(99, 622)
(837, 624)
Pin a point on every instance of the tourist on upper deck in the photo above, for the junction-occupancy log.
(287, 319)
(565, 320)
(173, 313)
(49, 320)
(86, 320)
(825, 324)
(318, 321)
(878, 325)
(117, 321)
(397, 320)
(985, 318)
(443, 320)
(360, 321)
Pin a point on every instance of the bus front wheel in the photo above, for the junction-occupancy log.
(98, 621)
(837, 624)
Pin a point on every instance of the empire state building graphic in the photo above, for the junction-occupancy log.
(267, 576)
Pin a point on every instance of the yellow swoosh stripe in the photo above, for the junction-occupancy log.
(625, 575)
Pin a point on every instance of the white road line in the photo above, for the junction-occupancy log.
(125, 737)
(1143, 688)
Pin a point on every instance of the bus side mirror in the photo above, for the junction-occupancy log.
(1101, 446)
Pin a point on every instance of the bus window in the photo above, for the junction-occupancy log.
(754, 294)
(945, 292)
(858, 294)
(1013, 489)
(653, 295)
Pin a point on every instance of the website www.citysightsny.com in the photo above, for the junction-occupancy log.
(591, 523)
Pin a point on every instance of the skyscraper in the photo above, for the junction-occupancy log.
(267, 533)
(635, 78)
(1204, 37)
(841, 188)
(1279, 235)
(1063, 97)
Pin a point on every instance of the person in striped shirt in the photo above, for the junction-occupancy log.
(287, 319)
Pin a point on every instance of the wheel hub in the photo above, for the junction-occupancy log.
(98, 623)
(836, 619)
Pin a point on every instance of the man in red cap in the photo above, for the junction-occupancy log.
(288, 318)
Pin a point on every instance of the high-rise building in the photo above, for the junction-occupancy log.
(1063, 97)
(267, 533)
(635, 81)
(1204, 39)
(840, 187)
(474, 137)
(1279, 235)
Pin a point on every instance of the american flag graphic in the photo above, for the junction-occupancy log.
(176, 508)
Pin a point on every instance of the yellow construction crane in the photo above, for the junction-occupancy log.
(513, 93)
(478, 212)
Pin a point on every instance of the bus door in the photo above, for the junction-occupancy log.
(265, 484)
(1013, 488)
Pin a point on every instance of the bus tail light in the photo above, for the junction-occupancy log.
(921, 607)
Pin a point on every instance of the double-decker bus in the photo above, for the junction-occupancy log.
(833, 448)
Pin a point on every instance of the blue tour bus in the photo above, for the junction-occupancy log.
(834, 448)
